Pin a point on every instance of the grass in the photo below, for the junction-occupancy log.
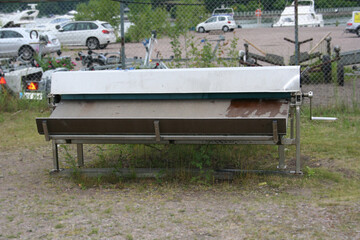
(333, 143)
(59, 226)
(17, 121)
(19, 129)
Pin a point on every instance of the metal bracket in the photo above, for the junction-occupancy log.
(298, 99)
(157, 130)
(288, 141)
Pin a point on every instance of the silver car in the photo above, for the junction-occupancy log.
(220, 22)
(24, 43)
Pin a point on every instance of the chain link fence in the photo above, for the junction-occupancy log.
(192, 33)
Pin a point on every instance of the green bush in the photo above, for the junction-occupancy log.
(145, 20)
(48, 63)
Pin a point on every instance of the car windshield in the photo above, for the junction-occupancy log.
(107, 25)
(210, 20)
(63, 24)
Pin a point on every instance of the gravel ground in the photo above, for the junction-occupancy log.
(270, 40)
(36, 205)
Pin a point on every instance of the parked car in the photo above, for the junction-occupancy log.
(93, 34)
(220, 22)
(353, 25)
(22, 42)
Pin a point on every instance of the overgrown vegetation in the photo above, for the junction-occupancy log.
(202, 53)
(145, 20)
(10, 103)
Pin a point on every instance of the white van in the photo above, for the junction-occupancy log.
(353, 25)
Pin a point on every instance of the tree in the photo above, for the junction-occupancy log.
(146, 18)
(56, 8)
(103, 10)
(188, 16)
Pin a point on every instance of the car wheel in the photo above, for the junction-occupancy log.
(358, 32)
(103, 46)
(92, 43)
(201, 30)
(26, 53)
(225, 28)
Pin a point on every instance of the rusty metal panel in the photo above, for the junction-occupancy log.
(178, 109)
(203, 117)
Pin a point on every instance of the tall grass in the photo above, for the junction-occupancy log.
(12, 103)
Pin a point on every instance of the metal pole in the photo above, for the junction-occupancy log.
(292, 122)
(297, 140)
(122, 32)
(55, 156)
(80, 155)
(297, 54)
(281, 149)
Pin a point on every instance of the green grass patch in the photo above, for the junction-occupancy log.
(333, 145)
(11, 103)
(59, 226)
(17, 121)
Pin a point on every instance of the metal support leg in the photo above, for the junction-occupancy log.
(297, 140)
(292, 122)
(281, 149)
(157, 130)
(275, 132)
(55, 156)
(80, 154)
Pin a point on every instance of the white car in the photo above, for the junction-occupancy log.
(17, 42)
(353, 25)
(93, 34)
(220, 22)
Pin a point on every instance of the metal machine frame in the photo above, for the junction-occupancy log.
(157, 137)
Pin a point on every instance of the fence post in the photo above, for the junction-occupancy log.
(123, 60)
(297, 55)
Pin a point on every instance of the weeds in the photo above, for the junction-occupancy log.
(59, 226)
(11, 103)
